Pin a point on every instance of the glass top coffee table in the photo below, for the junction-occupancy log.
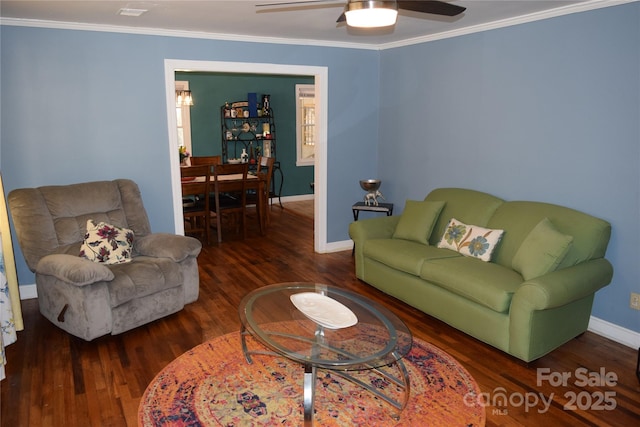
(321, 326)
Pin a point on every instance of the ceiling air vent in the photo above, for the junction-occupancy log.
(128, 11)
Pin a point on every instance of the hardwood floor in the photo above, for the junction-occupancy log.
(54, 379)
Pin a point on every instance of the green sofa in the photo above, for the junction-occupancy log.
(533, 295)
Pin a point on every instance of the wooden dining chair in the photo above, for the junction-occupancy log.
(208, 161)
(205, 160)
(264, 171)
(230, 194)
(196, 181)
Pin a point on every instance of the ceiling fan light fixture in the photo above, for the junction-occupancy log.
(371, 14)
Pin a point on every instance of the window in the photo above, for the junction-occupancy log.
(305, 125)
(183, 120)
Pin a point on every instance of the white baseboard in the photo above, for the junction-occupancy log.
(298, 198)
(28, 291)
(345, 245)
(614, 332)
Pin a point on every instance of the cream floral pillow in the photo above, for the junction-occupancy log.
(106, 243)
(470, 240)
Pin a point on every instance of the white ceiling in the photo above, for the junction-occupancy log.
(306, 23)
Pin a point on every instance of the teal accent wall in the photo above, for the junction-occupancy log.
(211, 90)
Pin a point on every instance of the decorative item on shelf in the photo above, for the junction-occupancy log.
(266, 130)
(227, 110)
(184, 155)
(244, 157)
(252, 157)
(371, 186)
(266, 104)
(252, 99)
(266, 146)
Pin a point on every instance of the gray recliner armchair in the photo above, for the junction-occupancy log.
(87, 298)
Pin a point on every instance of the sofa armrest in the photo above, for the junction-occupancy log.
(373, 228)
(550, 310)
(73, 269)
(165, 245)
(566, 285)
(367, 229)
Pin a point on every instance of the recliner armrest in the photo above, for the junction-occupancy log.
(73, 269)
(165, 245)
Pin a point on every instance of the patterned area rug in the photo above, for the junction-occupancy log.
(213, 385)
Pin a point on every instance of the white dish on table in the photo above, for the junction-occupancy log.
(323, 310)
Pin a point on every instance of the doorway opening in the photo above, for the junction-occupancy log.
(320, 75)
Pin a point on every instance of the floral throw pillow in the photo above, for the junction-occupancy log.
(106, 243)
(470, 240)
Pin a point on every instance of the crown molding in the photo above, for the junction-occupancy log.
(532, 17)
(538, 16)
(60, 25)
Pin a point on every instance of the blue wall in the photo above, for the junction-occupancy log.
(80, 105)
(543, 111)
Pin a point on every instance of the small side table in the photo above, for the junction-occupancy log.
(382, 207)
(361, 206)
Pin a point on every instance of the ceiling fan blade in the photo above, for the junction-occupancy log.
(433, 7)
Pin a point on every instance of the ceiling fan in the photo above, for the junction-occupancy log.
(382, 13)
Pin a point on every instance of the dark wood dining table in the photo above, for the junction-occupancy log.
(230, 183)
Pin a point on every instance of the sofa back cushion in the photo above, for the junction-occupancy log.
(542, 250)
(590, 234)
(51, 219)
(468, 206)
(417, 220)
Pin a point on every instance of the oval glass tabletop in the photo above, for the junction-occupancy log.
(324, 326)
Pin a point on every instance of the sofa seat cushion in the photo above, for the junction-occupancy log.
(486, 283)
(403, 255)
(141, 277)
